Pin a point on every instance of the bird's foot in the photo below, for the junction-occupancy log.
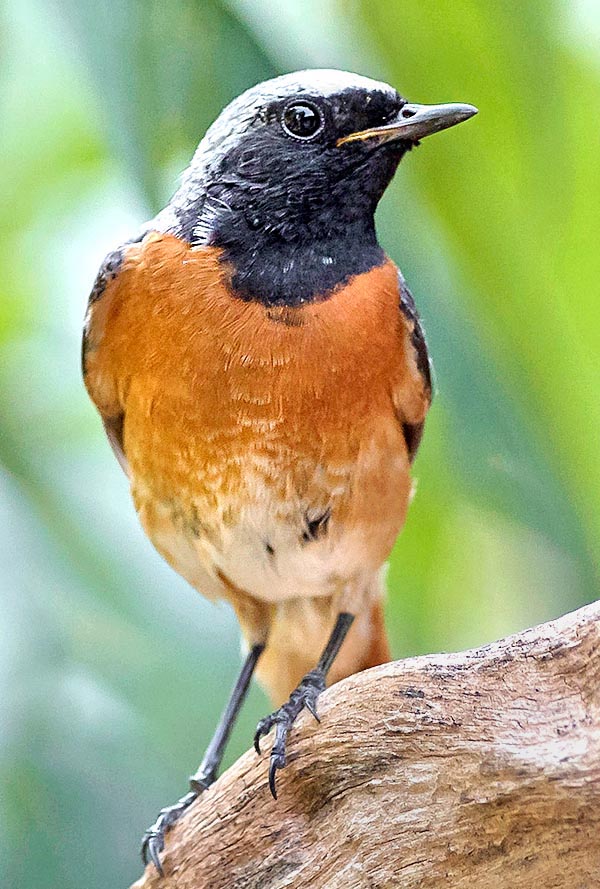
(304, 696)
(153, 841)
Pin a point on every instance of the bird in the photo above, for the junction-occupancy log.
(263, 378)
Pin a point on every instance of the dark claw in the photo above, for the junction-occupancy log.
(272, 772)
(304, 696)
(274, 764)
(152, 846)
(311, 706)
(263, 728)
(153, 841)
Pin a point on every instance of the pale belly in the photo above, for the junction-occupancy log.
(283, 529)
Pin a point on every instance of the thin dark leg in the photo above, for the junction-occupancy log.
(305, 695)
(153, 841)
(207, 771)
(338, 634)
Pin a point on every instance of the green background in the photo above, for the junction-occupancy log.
(112, 670)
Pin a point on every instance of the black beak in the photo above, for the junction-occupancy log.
(414, 122)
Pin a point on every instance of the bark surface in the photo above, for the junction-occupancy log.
(478, 770)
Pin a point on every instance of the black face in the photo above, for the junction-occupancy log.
(290, 207)
(290, 178)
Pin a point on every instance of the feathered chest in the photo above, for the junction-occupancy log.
(207, 381)
(248, 428)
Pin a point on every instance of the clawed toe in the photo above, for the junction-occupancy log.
(305, 696)
(153, 841)
(276, 761)
(263, 728)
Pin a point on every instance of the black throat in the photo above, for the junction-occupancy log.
(278, 272)
(282, 257)
(292, 214)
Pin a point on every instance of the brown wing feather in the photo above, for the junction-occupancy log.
(413, 432)
(113, 426)
(102, 390)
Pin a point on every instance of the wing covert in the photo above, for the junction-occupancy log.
(413, 432)
(96, 368)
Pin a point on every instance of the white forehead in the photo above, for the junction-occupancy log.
(318, 82)
(235, 117)
(323, 82)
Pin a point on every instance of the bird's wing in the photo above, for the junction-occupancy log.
(413, 429)
(96, 359)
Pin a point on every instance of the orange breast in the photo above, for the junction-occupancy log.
(227, 401)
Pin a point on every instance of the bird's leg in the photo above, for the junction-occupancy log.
(153, 841)
(305, 695)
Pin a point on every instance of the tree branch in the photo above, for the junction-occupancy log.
(479, 769)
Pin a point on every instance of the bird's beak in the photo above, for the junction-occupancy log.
(414, 122)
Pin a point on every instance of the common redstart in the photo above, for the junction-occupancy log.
(263, 378)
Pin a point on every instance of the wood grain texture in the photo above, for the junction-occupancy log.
(471, 770)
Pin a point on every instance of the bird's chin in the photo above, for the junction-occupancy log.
(409, 144)
(399, 146)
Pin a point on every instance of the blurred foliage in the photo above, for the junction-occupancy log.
(112, 671)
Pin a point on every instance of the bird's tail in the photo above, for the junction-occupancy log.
(379, 648)
(299, 633)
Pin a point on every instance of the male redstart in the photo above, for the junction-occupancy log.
(263, 378)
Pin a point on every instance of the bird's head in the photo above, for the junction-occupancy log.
(293, 169)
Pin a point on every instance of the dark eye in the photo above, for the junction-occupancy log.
(302, 121)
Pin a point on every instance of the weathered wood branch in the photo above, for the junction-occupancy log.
(479, 769)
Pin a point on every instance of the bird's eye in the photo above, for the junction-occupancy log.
(302, 121)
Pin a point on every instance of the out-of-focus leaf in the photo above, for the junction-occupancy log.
(162, 71)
